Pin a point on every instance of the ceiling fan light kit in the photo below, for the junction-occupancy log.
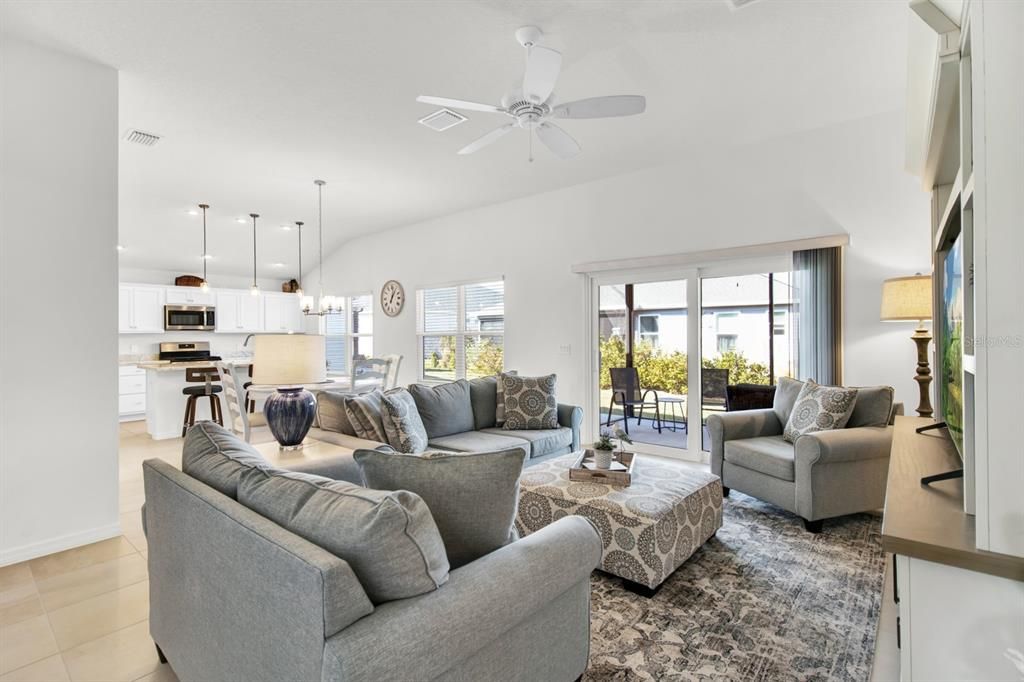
(532, 106)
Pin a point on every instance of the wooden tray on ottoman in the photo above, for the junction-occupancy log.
(620, 473)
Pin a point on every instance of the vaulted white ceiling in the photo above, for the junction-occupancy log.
(256, 99)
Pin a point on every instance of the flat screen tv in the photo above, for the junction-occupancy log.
(952, 339)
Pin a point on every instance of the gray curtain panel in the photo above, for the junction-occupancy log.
(818, 284)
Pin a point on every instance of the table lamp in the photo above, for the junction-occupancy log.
(910, 298)
(288, 361)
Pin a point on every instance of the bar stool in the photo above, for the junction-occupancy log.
(206, 375)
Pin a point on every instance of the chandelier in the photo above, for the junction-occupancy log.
(327, 305)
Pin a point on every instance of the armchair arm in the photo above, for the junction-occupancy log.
(739, 425)
(481, 601)
(571, 416)
(843, 445)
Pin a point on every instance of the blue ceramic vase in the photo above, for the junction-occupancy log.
(289, 413)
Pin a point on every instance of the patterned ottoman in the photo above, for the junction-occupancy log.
(648, 528)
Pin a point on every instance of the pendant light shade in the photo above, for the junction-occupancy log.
(205, 286)
(254, 289)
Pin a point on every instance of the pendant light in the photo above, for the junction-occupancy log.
(255, 288)
(299, 224)
(205, 286)
(328, 305)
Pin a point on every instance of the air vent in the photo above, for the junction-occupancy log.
(442, 119)
(141, 137)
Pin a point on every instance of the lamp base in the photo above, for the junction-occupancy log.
(923, 378)
(289, 413)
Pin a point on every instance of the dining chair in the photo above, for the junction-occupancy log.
(629, 394)
(241, 421)
(369, 374)
(395, 362)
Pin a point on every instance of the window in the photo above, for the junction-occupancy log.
(726, 343)
(461, 331)
(647, 327)
(349, 335)
(779, 323)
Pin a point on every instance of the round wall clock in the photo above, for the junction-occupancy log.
(392, 298)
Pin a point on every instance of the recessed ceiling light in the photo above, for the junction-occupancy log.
(120, 248)
(192, 211)
(241, 220)
(207, 256)
(277, 265)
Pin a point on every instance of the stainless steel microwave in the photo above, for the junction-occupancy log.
(190, 317)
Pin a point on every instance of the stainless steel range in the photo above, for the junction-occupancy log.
(195, 351)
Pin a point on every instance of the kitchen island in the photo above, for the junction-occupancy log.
(165, 403)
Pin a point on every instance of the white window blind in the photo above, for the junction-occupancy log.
(349, 334)
(461, 330)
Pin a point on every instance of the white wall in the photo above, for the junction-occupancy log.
(846, 178)
(58, 322)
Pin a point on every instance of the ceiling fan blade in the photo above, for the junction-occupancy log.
(558, 141)
(602, 107)
(459, 104)
(487, 139)
(542, 68)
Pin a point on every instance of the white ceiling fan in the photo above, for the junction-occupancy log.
(532, 107)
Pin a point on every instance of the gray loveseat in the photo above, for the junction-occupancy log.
(459, 417)
(824, 474)
(235, 596)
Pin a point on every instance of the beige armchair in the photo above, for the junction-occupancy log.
(824, 474)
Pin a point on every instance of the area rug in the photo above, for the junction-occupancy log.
(763, 600)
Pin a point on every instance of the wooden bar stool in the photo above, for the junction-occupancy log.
(210, 379)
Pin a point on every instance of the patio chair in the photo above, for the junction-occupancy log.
(714, 390)
(749, 397)
(627, 392)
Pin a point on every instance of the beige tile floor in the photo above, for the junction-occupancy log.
(82, 615)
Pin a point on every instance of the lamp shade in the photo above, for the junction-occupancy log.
(907, 298)
(288, 359)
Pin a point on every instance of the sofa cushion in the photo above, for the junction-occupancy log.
(543, 442)
(873, 407)
(530, 402)
(472, 497)
(483, 395)
(819, 408)
(364, 414)
(478, 441)
(388, 538)
(770, 455)
(402, 422)
(499, 396)
(217, 457)
(445, 409)
(786, 392)
(331, 414)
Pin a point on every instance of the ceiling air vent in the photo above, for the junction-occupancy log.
(443, 119)
(141, 137)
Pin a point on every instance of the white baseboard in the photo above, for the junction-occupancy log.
(58, 544)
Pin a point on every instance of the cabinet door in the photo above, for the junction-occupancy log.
(293, 318)
(148, 309)
(189, 296)
(273, 313)
(249, 317)
(124, 310)
(227, 311)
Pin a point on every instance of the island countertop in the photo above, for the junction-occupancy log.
(167, 366)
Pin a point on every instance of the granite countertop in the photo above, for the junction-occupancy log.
(166, 366)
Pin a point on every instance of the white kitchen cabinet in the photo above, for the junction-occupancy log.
(189, 296)
(140, 309)
(131, 398)
(281, 313)
(239, 312)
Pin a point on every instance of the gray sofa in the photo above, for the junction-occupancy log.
(824, 474)
(235, 596)
(459, 417)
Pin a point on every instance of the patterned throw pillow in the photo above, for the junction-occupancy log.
(402, 423)
(530, 403)
(819, 408)
(499, 412)
(364, 416)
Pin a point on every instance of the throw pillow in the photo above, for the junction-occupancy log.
(873, 407)
(217, 457)
(331, 413)
(819, 408)
(530, 403)
(499, 407)
(388, 538)
(402, 422)
(445, 409)
(472, 497)
(786, 392)
(364, 415)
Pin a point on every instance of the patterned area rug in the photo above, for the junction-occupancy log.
(763, 600)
